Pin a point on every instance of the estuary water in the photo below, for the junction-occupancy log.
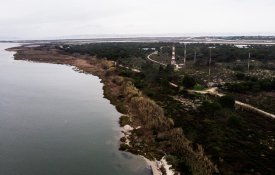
(55, 121)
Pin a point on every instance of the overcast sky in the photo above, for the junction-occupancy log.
(42, 19)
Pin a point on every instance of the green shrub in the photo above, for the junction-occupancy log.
(178, 163)
(138, 83)
(138, 132)
(123, 139)
(256, 87)
(234, 121)
(198, 87)
(240, 75)
(123, 147)
(227, 101)
(124, 120)
(188, 82)
(209, 108)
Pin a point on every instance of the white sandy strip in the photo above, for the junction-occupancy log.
(167, 167)
(126, 132)
(155, 165)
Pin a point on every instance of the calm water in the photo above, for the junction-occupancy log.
(55, 121)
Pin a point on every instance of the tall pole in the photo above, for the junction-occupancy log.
(209, 66)
(184, 54)
(248, 62)
(195, 56)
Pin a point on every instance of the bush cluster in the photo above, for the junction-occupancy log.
(251, 86)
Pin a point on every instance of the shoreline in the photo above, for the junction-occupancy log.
(154, 165)
(131, 103)
(157, 165)
(81, 65)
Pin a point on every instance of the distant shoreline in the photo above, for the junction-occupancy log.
(235, 40)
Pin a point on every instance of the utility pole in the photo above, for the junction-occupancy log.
(209, 67)
(184, 54)
(195, 56)
(248, 62)
(209, 63)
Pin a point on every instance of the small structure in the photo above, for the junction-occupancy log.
(147, 48)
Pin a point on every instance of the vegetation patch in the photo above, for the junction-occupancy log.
(213, 136)
(124, 120)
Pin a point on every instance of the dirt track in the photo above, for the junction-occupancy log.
(238, 104)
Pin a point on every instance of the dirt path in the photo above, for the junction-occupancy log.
(213, 91)
(149, 58)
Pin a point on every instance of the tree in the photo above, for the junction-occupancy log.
(209, 108)
(240, 76)
(188, 82)
(169, 70)
(227, 101)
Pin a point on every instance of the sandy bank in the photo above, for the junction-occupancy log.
(156, 166)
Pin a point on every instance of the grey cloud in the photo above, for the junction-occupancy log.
(30, 19)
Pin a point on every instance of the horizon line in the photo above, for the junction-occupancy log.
(82, 37)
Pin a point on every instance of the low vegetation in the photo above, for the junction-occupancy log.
(238, 142)
(124, 120)
(158, 136)
(209, 137)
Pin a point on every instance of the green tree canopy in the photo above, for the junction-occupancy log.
(227, 101)
(188, 82)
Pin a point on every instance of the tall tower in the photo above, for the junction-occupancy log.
(173, 59)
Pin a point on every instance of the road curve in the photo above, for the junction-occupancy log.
(154, 53)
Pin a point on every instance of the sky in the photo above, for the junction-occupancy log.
(50, 19)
